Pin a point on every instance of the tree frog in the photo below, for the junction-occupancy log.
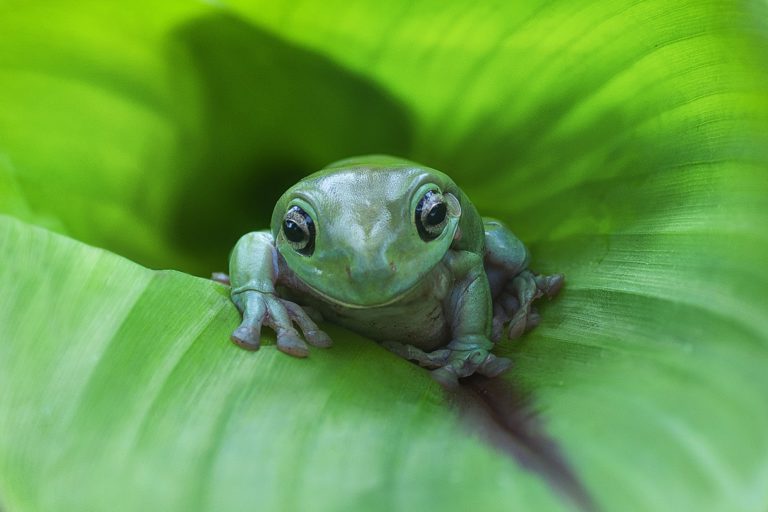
(396, 252)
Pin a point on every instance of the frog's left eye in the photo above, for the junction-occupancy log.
(431, 215)
(299, 230)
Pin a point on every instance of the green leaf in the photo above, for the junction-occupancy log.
(126, 394)
(625, 142)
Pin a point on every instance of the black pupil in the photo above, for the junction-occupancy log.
(293, 232)
(436, 215)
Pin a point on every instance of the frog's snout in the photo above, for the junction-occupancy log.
(369, 282)
(378, 270)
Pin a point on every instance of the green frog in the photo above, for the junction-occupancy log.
(396, 252)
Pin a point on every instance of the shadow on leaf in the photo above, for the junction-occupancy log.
(505, 418)
(273, 113)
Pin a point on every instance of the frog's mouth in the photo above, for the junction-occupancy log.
(390, 298)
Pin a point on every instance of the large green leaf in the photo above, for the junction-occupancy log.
(626, 142)
(121, 391)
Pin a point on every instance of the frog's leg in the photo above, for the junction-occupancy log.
(514, 286)
(253, 273)
(470, 307)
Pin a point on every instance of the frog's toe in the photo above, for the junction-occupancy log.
(533, 319)
(517, 325)
(550, 285)
(220, 277)
(246, 336)
(446, 376)
(312, 333)
(494, 366)
(318, 338)
(290, 343)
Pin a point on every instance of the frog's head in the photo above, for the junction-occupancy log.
(363, 232)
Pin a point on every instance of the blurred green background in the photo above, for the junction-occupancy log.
(625, 142)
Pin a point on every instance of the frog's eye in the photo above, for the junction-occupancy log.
(299, 230)
(431, 215)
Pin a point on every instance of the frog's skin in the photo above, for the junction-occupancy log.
(440, 295)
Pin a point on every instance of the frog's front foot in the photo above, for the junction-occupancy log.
(221, 277)
(265, 308)
(432, 360)
(513, 308)
(461, 358)
(469, 355)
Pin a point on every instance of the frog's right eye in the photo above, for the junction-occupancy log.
(299, 230)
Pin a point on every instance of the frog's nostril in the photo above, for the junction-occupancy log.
(349, 271)
(392, 266)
